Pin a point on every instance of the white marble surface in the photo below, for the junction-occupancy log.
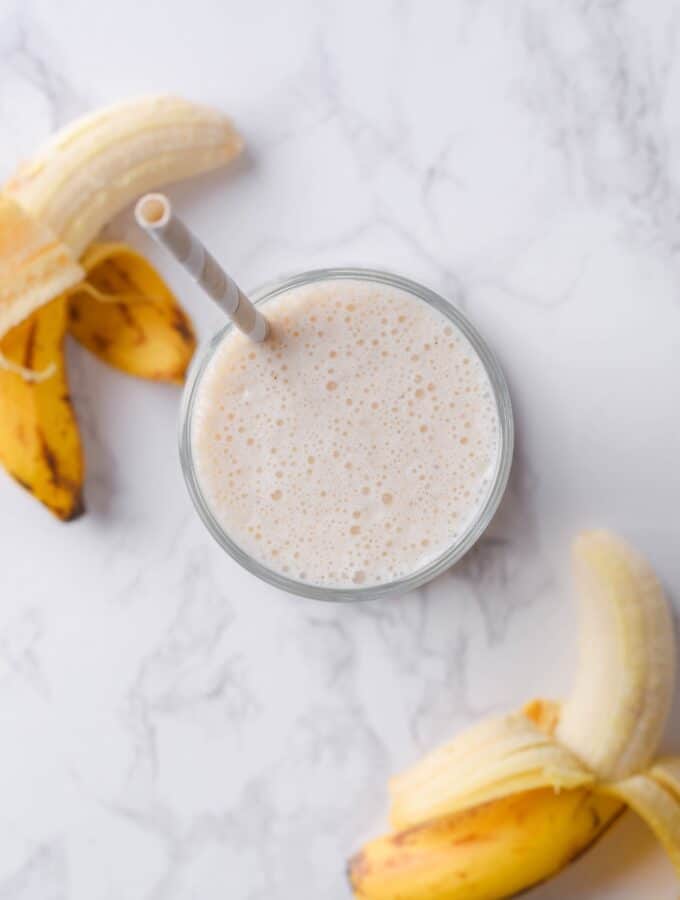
(171, 728)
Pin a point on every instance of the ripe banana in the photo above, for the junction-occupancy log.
(512, 800)
(90, 170)
(615, 715)
(124, 313)
(50, 212)
(39, 440)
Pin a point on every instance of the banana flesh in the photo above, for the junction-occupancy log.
(92, 169)
(616, 713)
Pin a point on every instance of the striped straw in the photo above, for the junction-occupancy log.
(154, 214)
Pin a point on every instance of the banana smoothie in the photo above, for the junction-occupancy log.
(356, 444)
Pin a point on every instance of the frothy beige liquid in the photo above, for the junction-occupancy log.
(355, 444)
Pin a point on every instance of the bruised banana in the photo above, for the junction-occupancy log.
(511, 801)
(125, 314)
(50, 212)
(39, 439)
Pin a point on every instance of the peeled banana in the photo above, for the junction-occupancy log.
(616, 713)
(514, 799)
(90, 170)
(111, 300)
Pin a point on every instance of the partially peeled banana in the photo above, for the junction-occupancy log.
(514, 799)
(55, 280)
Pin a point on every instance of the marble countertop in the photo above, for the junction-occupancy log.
(171, 727)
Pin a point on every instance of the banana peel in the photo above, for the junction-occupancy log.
(655, 797)
(39, 441)
(486, 852)
(545, 714)
(126, 315)
(498, 757)
(123, 312)
(497, 849)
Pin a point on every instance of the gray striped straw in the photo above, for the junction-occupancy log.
(154, 214)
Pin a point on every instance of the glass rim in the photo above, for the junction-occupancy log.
(462, 543)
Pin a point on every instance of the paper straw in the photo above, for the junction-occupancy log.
(154, 214)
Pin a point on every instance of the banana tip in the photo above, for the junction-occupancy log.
(75, 512)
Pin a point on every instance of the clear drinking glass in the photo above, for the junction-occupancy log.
(462, 542)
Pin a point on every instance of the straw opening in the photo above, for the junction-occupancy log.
(153, 211)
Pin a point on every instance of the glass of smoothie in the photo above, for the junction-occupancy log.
(358, 451)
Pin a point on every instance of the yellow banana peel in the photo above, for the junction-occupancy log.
(125, 314)
(655, 798)
(39, 440)
(486, 852)
(501, 756)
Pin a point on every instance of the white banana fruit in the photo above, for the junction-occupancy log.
(616, 713)
(90, 170)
